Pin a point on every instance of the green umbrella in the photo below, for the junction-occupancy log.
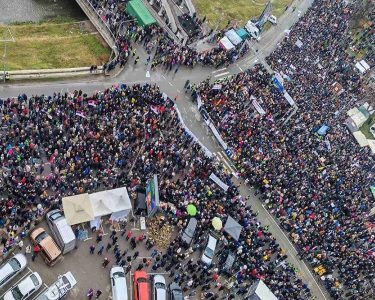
(191, 210)
(217, 223)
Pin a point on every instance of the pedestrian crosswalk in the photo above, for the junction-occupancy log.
(221, 74)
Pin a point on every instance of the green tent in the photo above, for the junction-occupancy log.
(373, 190)
(137, 10)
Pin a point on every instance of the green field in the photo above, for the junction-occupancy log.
(219, 12)
(53, 44)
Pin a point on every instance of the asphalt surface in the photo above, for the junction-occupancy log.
(172, 84)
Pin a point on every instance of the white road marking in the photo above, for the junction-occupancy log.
(240, 68)
(292, 246)
(163, 76)
(45, 285)
(170, 83)
(221, 74)
(178, 91)
(41, 292)
(223, 69)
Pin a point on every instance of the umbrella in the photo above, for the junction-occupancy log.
(217, 223)
(191, 210)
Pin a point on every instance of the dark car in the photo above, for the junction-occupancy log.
(187, 235)
(175, 292)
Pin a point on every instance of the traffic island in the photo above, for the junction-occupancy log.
(54, 44)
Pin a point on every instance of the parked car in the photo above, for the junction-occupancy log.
(60, 288)
(24, 289)
(175, 292)
(49, 250)
(61, 230)
(118, 284)
(11, 268)
(187, 235)
(209, 251)
(160, 292)
(141, 285)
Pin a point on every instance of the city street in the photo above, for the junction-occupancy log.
(87, 268)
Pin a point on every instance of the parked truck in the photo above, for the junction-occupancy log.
(253, 30)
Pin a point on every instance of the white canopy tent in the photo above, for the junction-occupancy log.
(90, 207)
(233, 37)
(226, 44)
(77, 209)
(115, 202)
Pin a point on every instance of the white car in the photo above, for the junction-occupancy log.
(118, 284)
(160, 289)
(13, 267)
(272, 19)
(209, 252)
(24, 289)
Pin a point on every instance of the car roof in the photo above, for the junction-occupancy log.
(119, 288)
(143, 290)
(67, 233)
(49, 245)
(27, 284)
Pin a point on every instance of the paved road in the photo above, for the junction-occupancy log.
(172, 84)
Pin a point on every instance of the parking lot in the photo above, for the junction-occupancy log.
(87, 268)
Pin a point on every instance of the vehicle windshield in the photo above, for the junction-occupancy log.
(41, 237)
(66, 282)
(209, 253)
(160, 285)
(15, 264)
(118, 275)
(17, 295)
(177, 295)
(55, 216)
(34, 279)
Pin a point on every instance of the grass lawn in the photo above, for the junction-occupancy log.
(55, 44)
(365, 128)
(240, 11)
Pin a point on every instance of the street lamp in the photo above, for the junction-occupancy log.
(6, 40)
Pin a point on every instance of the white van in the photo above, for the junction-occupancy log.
(118, 284)
(60, 288)
(209, 252)
(61, 231)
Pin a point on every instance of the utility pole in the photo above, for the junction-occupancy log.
(7, 38)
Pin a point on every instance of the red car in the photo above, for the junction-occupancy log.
(141, 286)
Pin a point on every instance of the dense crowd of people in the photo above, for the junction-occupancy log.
(68, 144)
(160, 48)
(315, 182)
